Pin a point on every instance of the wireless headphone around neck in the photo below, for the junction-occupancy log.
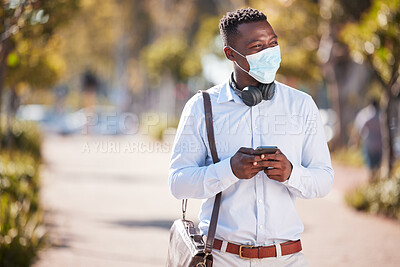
(252, 95)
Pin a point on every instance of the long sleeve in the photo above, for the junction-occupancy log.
(314, 176)
(189, 177)
(258, 210)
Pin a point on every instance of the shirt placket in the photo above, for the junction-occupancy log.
(259, 184)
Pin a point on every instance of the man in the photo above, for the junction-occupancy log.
(258, 191)
(367, 123)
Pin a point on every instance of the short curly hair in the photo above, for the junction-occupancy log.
(229, 23)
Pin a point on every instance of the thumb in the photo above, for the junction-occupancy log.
(246, 150)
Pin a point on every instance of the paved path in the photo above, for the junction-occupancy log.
(108, 204)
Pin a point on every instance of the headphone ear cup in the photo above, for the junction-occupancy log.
(251, 95)
(268, 91)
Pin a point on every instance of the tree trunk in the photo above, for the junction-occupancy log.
(346, 81)
(333, 92)
(391, 127)
(4, 52)
(11, 110)
(388, 133)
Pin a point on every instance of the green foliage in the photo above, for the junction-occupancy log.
(205, 38)
(155, 124)
(382, 197)
(170, 54)
(179, 53)
(377, 37)
(376, 40)
(22, 136)
(21, 232)
(12, 60)
(44, 71)
(98, 29)
(34, 57)
(297, 25)
(351, 156)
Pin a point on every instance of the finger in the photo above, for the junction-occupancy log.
(258, 164)
(255, 172)
(269, 163)
(276, 157)
(265, 156)
(251, 174)
(246, 150)
(270, 157)
(273, 172)
(251, 158)
(275, 177)
(257, 158)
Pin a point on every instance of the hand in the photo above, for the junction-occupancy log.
(282, 168)
(245, 165)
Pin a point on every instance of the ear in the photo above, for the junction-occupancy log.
(229, 53)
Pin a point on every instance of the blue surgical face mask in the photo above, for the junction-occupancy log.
(263, 64)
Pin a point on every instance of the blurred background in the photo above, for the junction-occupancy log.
(91, 93)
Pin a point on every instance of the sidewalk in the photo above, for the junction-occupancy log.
(336, 235)
(108, 205)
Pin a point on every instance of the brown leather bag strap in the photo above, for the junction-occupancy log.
(209, 126)
(211, 142)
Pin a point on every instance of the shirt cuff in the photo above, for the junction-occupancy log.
(225, 174)
(294, 179)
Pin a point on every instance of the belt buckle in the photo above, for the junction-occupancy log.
(241, 251)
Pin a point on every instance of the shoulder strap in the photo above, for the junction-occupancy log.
(209, 126)
(211, 142)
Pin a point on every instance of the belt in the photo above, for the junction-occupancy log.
(252, 252)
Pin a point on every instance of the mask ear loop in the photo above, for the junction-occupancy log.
(235, 51)
(237, 64)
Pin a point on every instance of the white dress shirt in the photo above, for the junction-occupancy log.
(257, 211)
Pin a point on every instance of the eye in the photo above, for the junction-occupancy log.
(274, 43)
(257, 46)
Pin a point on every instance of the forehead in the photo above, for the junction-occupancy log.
(251, 31)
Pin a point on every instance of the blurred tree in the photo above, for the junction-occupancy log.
(376, 40)
(109, 44)
(28, 51)
(180, 41)
(182, 32)
(347, 81)
(315, 57)
(89, 42)
(169, 58)
(296, 24)
(169, 54)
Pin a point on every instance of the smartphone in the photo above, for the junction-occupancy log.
(265, 150)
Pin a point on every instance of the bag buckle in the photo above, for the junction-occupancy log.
(241, 251)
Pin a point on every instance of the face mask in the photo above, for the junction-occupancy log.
(263, 64)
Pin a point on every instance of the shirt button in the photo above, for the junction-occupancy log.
(259, 201)
(261, 226)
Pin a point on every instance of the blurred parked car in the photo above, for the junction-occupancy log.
(104, 120)
(96, 120)
(37, 113)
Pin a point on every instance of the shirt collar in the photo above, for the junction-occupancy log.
(227, 94)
